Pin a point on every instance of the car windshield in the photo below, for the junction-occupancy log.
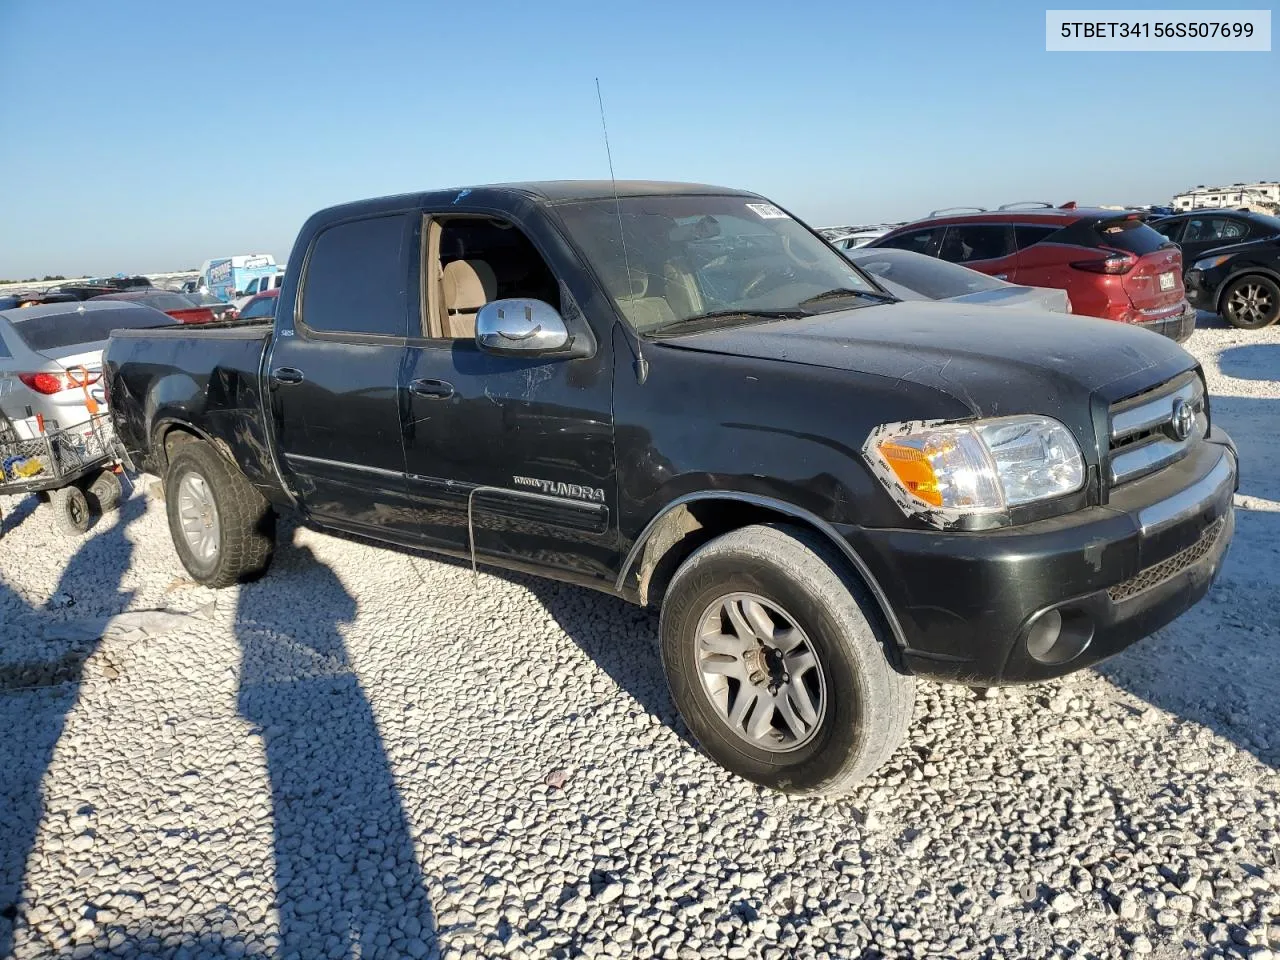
(710, 258)
(928, 276)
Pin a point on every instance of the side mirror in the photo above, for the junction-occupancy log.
(520, 327)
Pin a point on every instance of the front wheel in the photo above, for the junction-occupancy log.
(222, 527)
(1251, 303)
(776, 662)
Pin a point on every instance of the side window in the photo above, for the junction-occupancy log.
(4, 348)
(471, 261)
(1232, 230)
(259, 308)
(357, 277)
(1027, 236)
(918, 241)
(976, 241)
(1168, 228)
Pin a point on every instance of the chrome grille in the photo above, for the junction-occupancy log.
(1144, 436)
(1158, 573)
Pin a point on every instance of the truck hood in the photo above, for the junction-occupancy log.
(993, 359)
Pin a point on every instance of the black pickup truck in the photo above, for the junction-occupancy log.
(683, 396)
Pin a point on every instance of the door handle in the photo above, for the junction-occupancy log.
(431, 389)
(287, 375)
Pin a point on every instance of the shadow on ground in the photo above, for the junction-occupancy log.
(346, 873)
(40, 689)
(1253, 361)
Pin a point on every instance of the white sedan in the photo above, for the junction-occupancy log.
(51, 362)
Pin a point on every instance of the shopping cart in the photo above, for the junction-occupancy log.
(74, 468)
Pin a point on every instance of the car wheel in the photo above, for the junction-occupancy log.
(222, 527)
(1251, 303)
(71, 510)
(777, 662)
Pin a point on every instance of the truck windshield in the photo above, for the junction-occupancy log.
(710, 258)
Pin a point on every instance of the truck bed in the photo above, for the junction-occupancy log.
(255, 329)
(205, 379)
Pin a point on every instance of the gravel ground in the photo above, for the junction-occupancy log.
(367, 755)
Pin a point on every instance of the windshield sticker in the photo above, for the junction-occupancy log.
(767, 211)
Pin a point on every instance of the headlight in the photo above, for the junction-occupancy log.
(1208, 263)
(946, 471)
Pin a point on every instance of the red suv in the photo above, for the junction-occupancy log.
(1111, 263)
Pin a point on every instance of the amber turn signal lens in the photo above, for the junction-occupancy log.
(913, 470)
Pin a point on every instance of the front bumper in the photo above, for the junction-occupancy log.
(968, 605)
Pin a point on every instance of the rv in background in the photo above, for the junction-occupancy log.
(228, 277)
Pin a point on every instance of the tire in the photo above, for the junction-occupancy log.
(233, 526)
(1251, 302)
(106, 491)
(859, 704)
(71, 510)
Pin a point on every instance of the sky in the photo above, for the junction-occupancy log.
(148, 136)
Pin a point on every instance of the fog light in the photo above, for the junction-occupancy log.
(1055, 636)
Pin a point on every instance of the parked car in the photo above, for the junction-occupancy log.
(88, 289)
(256, 286)
(1232, 262)
(857, 238)
(51, 361)
(261, 307)
(179, 306)
(914, 276)
(827, 491)
(1111, 263)
(221, 309)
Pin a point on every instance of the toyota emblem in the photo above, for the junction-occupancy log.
(1183, 420)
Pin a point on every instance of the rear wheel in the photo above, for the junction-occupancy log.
(776, 662)
(222, 527)
(71, 510)
(1251, 303)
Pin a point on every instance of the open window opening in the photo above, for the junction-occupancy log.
(471, 261)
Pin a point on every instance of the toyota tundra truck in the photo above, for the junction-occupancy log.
(683, 396)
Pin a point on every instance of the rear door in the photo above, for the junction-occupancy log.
(986, 247)
(1038, 262)
(1209, 232)
(335, 371)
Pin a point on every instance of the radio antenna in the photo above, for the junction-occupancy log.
(640, 365)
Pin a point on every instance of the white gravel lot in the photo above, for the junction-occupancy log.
(366, 755)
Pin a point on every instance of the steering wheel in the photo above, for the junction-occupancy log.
(801, 261)
(755, 284)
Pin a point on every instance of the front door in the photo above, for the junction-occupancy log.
(335, 373)
(512, 454)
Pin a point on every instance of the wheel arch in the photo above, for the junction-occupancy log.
(691, 520)
(1250, 271)
(167, 435)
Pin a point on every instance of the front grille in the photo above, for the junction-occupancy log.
(1157, 574)
(1143, 434)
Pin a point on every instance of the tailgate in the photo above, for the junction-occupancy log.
(1154, 285)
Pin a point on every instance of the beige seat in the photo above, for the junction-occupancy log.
(466, 286)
